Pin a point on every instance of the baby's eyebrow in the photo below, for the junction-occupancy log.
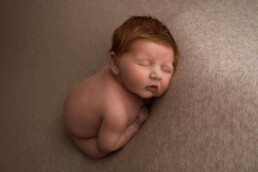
(144, 57)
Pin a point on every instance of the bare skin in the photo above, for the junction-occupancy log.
(95, 117)
(103, 112)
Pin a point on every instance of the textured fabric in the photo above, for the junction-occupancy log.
(207, 121)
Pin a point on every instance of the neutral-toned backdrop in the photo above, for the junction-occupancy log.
(207, 121)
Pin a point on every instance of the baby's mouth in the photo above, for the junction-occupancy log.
(153, 88)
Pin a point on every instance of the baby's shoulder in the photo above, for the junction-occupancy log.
(115, 111)
(113, 100)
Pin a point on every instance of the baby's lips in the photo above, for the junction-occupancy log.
(153, 88)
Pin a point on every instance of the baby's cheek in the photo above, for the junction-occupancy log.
(165, 85)
(139, 81)
(138, 78)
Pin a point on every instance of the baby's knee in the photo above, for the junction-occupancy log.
(90, 147)
(95, 154)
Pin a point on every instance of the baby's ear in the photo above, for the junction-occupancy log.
(114, 63)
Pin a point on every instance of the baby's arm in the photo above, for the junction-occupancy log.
(115, 132)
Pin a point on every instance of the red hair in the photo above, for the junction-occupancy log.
(142, 27)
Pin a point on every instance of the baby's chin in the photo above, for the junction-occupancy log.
(146, 97)
(149, 95)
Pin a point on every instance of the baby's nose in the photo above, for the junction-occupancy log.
(156, 74)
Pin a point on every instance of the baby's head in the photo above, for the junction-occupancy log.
(143, 56)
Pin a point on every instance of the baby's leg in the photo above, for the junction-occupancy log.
(90, 147)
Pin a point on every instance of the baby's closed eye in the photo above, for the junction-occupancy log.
(144, 63)
(166, 69)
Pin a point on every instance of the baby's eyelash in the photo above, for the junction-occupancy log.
(166, 69)
(144, 63)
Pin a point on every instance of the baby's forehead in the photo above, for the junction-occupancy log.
(154, 57)
(165, 53)
(150, 45)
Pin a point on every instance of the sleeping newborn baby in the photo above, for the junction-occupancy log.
(103, 112)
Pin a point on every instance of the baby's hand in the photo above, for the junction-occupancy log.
(147, 102)
(142, 116)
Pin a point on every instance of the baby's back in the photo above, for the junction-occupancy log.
(83, 108)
